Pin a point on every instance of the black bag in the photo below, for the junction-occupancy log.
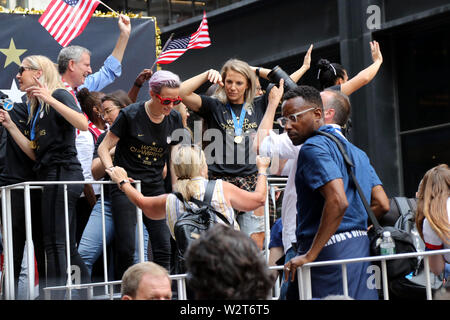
(403, 241)
(194, 222)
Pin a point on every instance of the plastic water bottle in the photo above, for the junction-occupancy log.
(387, 245)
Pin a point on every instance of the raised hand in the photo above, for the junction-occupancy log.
(124, 24)
(39, 91)
(376, 52)
(214, 76)
(307, 59)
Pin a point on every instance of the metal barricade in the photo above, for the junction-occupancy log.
(304, 272)
(9, 289)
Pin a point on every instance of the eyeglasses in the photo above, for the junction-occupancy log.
(282, 121)
(22, 69)
(167, 101)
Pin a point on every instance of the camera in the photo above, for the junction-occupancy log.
(5, 102)
(277, 73)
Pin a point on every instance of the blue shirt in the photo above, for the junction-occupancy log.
(275, 234)
(110, 70)
(320, 162)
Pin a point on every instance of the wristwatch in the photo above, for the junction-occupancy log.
(123, 182)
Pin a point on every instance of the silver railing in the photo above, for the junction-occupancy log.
(303, 276)
(9, 289)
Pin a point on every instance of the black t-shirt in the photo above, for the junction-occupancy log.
(55, 136)
(143, 146)
(95, 155)
(236, 159)
(15, 165)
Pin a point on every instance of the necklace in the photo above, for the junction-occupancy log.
(152, 117)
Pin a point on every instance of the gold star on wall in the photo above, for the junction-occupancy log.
(12, 54)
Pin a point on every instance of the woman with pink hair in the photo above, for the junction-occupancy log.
(142, 135)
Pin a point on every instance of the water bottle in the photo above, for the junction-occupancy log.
(387, 245)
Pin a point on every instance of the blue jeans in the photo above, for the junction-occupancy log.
(291, 253)
(91, 243)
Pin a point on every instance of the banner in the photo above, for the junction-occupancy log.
(22, 35)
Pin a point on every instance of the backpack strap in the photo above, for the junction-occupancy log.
(403, 205)
(206, 201)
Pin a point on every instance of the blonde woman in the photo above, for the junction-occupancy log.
(191, 170)
(433, 215)
(235, 112)
(53, 117)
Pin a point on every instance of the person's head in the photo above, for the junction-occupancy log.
(146, 281)
(336, 107)
(74, 64)
(226, 264)
(40, 68)
(239, 83)
(330, 74)
(188, 162)
(164, 91)
(434, 190)
(302, 112)
(112, 103)
(91, 104)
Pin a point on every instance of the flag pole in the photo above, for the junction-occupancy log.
(109, 8)
(164, 48)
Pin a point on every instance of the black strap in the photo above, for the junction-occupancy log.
(207, 197)
(349, 165)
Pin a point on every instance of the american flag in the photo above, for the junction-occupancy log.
(175, 48)
(66, 19)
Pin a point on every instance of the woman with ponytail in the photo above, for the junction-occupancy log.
(334, 76)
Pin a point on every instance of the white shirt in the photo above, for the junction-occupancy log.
(84, 143)
(431, 239)
(280, 145)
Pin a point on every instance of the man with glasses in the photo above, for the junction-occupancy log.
(279, 146)
(331, 219)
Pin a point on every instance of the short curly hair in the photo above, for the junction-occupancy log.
(225, 264)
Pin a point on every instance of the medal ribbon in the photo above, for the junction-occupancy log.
(33, 123)
(238, 125)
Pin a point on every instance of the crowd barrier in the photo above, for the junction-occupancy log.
(303, 273)
(9, 290)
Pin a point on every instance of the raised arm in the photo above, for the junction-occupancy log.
(143, 76)
(366, 75)
(15, 133)
(305, 67)
(153, 207)
(121, 44)
(192, 100)
(266, 124)
(242, 200)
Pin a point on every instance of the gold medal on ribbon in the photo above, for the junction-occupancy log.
(238, 139)
(33, 144)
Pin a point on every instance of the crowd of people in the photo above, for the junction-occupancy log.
(71, 130)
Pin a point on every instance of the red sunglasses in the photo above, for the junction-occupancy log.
(167, 101)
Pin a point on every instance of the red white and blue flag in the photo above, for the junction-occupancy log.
(66, 19)
(175, 48)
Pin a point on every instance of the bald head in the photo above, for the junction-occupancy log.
(336, 107)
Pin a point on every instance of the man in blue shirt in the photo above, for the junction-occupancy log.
(331, 219)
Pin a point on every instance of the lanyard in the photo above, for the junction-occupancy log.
(238, 125)
(33, 122)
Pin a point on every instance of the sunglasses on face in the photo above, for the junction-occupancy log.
(167, 101)
(292, 117)
(22, 69)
